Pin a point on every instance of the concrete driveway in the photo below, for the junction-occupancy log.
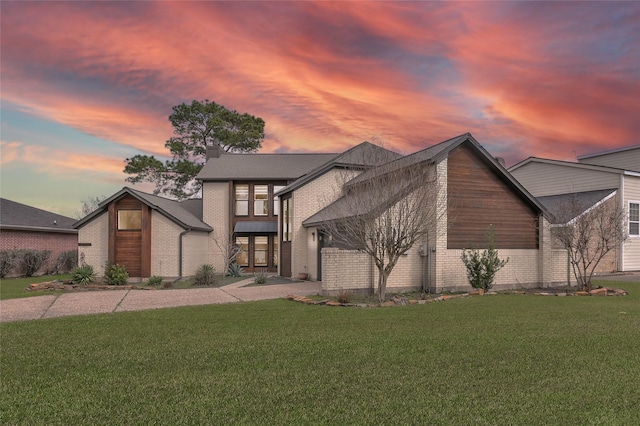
(99, 302)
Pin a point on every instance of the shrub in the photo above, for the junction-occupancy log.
(7, 259)
(66, 261)
(235, 270)
(30, 261)
(482, 267)
(344, 296)
(115, 274)
(205, 275)
(260, 277)
(154, 280)
(83, 275)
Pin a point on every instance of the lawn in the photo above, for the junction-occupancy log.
(505, 359)
(13, 288)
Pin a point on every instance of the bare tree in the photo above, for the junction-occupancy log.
(387, 210)
(89, 205)
(228, 250)
(588, 236)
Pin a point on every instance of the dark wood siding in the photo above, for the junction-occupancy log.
(285, 259)
(131, 248)
(478, 198)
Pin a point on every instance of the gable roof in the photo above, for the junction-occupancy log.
(187, 214)
(18, 216)
(431, 155)
(363, 155)
(261, 166)
(566, 164)
(578, 202)
(607, 152)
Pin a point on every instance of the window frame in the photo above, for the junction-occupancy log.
(636, 221)
(256, 250)
(237, 200)
(263, 201)
(243, 249)
(119, 219)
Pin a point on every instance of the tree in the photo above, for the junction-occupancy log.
(482, 267)
(195, 127)
(89, 205)
(588, 236)
(386, 211)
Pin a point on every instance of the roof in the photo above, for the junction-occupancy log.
(431, 155)
(187, 214)
(363, 155)
(566, 164)
(610, 151)
(261, 166)
(256, 226)
(18, 216)
(576, 202)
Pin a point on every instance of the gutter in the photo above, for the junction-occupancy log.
(180, 251)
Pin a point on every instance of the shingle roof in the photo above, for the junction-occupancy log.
(14, 215)
(261, 166)
(576, 202)
(187, 214)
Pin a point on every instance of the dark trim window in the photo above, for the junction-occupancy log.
(129, 220)
(276, 200)
(634, 219)
(287, 219)
(260, 250)
(260, 200)
(242, 199)
(275, 250)
(242, 258)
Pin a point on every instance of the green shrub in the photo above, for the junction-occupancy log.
(115, 274)
(205, 275)
(83, 275)
(235, 270)
(482, 267)
(154, 280)
(66, 261)
(7, 261)
(260, 277)
(30, 261)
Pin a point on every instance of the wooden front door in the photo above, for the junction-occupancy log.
(130, 236)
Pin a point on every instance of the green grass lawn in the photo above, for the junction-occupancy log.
(13, 288)
(505, 359)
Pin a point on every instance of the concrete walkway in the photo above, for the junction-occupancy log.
(99, 302)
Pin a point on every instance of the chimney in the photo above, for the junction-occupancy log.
(213, 151)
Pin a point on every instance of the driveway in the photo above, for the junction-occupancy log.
(100, 302)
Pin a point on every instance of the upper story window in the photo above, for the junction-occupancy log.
(634, 219)
(287, 219)
(129, 220)
(242, 199)
(276, 201)
(260, 200)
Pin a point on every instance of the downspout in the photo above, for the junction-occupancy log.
(182, 234)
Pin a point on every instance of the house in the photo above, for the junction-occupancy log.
(26, 227)
(148, 234)
(273, 210)
(616, 172)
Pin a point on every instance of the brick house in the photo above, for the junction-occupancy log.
(270, 206)
(26, 227)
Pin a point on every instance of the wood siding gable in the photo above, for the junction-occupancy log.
(478, 196)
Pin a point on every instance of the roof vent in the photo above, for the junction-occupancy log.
(500, 160)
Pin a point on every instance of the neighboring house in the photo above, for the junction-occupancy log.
(615, 170)
(26, 227)
(149, 235)
(273, 208)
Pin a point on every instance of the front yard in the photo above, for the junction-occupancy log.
(505, 359)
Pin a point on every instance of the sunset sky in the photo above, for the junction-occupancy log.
(85, 85)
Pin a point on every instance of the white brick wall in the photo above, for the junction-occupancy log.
(195, 252)
(215, 196)
(164, 246)
(96, 232)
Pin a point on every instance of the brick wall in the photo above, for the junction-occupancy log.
(165, 236)
(215, 200)
(96, 233)
(55, 242)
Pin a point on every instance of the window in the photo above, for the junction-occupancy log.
(276, 200)
(260, 250)
(275, 250)
(242, 200)
(260, 200)
(242, 258)
(634, 219)
(129, 220)
(287, 220)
